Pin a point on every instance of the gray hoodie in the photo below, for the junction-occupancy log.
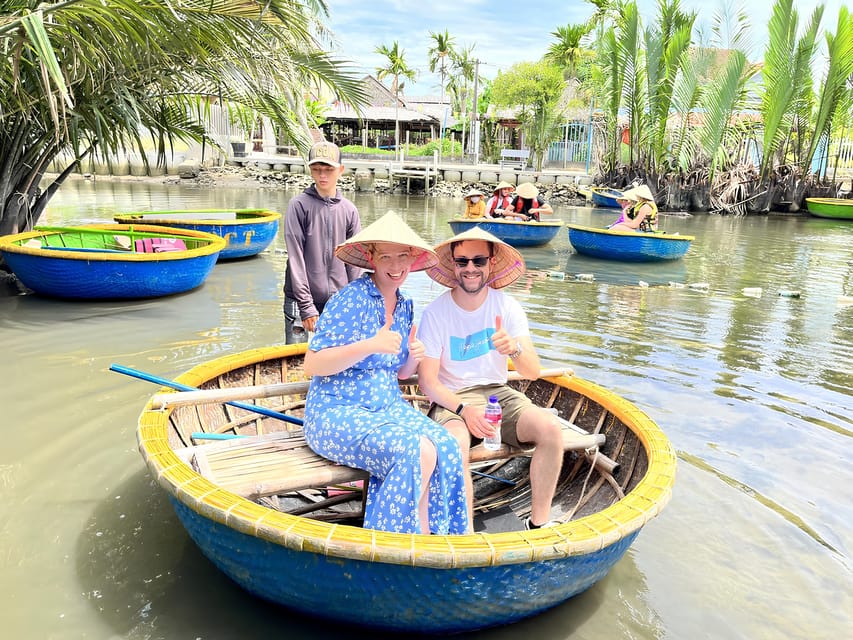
(313, 227)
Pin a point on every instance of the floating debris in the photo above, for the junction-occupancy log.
(586, 277)
(845, 300)
(789, 293)
(676, 285)
(699, 286)
(752, 292)
(556, 275)
(643, 284)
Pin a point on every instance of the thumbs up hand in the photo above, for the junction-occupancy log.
(503, 342)
(416, 347)
(386, 340)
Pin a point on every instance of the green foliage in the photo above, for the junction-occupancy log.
(99, 77)
(534, 90)
(787, 78)
(835, 93)
(566, 51)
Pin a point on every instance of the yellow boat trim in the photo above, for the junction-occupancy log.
(578, 537)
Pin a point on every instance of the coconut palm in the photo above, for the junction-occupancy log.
(100, 77)
(464, 67)
(395, 67)
(567, 52)
(439, 55)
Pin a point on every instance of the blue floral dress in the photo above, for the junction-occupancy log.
(358, 417)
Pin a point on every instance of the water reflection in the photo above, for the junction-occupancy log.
(754, 392)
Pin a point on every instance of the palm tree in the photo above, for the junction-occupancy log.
(567, 52)
(439, 52)
(100, 77)
(396, 67)
(464, 66)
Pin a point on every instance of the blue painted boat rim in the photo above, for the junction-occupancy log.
(522, 223)
(630, 234)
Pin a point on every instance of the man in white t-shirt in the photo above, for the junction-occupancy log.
(468, 334)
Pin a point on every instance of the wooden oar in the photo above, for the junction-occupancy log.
(212, 396)
(183, 387)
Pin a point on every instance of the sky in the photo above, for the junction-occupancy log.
(504, 32)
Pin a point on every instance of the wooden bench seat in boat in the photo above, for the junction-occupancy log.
(282, 462)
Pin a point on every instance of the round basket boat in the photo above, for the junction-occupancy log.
(247, 232)
(311, 555)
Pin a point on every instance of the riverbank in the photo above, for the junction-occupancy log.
(232, 176)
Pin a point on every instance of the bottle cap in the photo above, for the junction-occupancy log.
(493, 398)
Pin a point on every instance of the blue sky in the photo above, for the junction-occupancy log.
(503, 31)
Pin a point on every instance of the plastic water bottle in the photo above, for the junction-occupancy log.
(493, 415)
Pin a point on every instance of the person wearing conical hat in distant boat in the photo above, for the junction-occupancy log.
(500, 200)
(527, 204)
(626, 201)
(470, 333)
(355, 415)
(475, 206)
(643, 216)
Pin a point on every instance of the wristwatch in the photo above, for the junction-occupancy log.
(460, 409)
(517, 351)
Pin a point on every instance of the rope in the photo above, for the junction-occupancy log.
(593, 451)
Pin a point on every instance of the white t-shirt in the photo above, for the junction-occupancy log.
(461, 339)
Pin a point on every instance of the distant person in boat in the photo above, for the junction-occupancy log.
(626, 201)
(643, 216)
(527, 205)
(470, 334)
(317, 220)
(500, 200)
(355, 413)
(475, 206)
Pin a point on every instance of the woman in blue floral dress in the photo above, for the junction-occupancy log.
(355, 413)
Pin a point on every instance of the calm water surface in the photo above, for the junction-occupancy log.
(754, 392)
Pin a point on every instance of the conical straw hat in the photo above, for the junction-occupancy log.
(502, 185)
(392, 229)
(628, 194)
(643, 192)
(527, 191)
(507, 268)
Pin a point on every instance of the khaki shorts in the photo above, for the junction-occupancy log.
(513, 404)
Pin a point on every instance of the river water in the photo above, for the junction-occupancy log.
(754, 392)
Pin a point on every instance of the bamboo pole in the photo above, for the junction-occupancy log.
(213, 396)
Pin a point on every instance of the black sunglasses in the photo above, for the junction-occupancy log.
(479, 261)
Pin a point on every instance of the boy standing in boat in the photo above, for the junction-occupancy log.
(469, 334)
(317, 220)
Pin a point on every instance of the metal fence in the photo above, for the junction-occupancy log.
(574, 146)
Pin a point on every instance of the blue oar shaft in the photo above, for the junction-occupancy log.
(141, 375)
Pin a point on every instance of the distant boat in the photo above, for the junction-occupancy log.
(605, 197)
(513, 232)
(835, 208)
(247, 231)
(627, 246)
(111, 261)
(284, 523)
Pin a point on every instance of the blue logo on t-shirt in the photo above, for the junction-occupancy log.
(470, 347)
